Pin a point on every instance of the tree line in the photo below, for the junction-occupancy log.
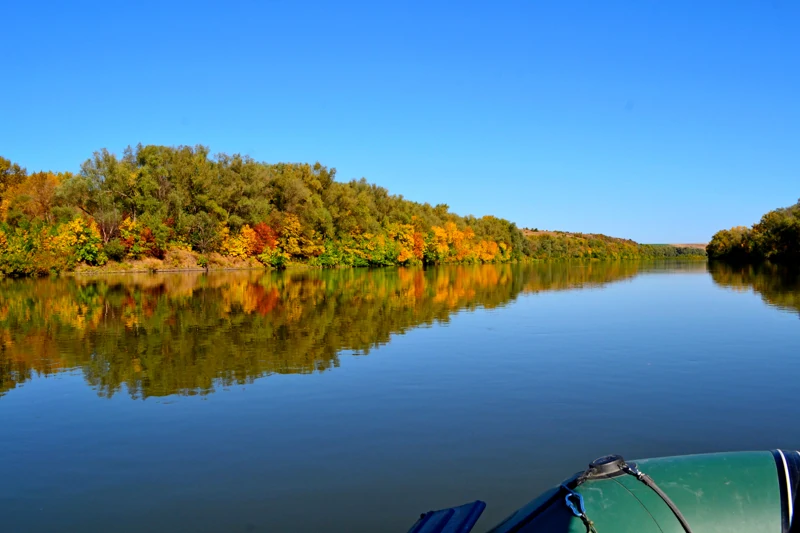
(565, 245)
(157, 198)
(156, 202)
(775, 238)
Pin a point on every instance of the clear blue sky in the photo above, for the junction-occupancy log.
(661, 121)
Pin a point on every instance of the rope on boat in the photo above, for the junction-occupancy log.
(647, 480)
(611, 466)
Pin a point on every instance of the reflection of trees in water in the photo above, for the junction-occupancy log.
(778, 285)
(188, 333)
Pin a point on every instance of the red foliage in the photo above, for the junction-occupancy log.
(147, 238)
(266, 237)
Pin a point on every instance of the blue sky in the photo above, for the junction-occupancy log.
(661, 121)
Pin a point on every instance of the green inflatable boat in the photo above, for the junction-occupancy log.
(741, 492)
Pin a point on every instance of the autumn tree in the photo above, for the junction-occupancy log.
(11, 174)
(184, 196)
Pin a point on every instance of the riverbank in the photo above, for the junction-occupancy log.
(78, 250)
(175, 260)
(219, 263)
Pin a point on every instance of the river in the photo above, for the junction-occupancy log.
(353, 400)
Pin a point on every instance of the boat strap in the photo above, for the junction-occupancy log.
(611, 466)
(574, 501)
(647, 480)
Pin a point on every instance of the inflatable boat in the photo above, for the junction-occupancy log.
(740, 492)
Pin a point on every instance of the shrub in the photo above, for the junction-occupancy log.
(115, 250)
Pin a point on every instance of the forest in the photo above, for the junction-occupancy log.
(775, 238)
(180, 207)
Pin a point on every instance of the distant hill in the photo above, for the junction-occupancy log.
(696, 245)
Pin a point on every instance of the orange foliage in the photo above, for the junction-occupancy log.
(404, 255)
(419, 245)
(488, 250)
(265, 238)
(35, 196)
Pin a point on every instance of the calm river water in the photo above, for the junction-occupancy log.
(353, 400)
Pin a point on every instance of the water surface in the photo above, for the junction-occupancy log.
(352, 400)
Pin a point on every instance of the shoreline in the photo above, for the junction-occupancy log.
(101, 271)
(186, 261)
(85, 270)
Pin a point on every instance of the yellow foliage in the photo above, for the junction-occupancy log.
(440, 236)
(403, 235)
(291, 231)
(404, 255)
(224, 233)
(79, 239)
(69, 235)
(128, 225)
(454, 235)
(128, 229)
(487, 251)
(248, 235)
(294, 242)
(242, 245)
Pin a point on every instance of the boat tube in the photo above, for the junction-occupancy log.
(739, 492)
